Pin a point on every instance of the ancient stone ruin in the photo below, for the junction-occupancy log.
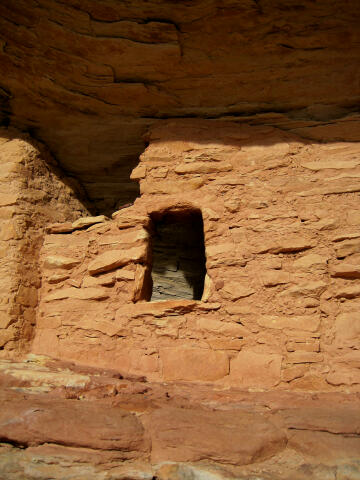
(180, 240)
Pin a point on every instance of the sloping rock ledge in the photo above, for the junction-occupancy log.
(64, 421)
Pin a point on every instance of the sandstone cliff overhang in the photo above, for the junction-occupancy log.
(258, 376)
(89, 77)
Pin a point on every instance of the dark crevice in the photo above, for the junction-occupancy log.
(343, 434)
(5, 110)
(14, 443)
(305, 49)
(109, 37)
(76, 184)
(245, 114)
(141, 81)
(178, 255)
(161, 20)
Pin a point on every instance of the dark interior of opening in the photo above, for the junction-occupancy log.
(178, 256)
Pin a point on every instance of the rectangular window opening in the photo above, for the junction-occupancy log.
(178, 256)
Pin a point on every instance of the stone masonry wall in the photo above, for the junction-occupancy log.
(32, 194)
(282, 292)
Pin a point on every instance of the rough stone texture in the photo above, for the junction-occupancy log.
(259, 379)
(33, 192)
(66, 422)
(89, 77)
(193, 364)
(113, 259)
(214, 435)
(279, 308)
(27, 422)
(251, 369)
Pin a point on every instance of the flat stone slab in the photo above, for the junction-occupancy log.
(59, 420)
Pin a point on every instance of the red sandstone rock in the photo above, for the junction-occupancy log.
(347, 247)
(187, 435)
(84, 222)
(113, 259)
(249, 369)
(345, 270)
(343, 376)
(158, 309)
(192, 364)
(81, 107)
(305, 357)
(236, 290)
(278, 208)
(255, 311)
(347, 291)
(59, 228)
(60, 262)
(305, 322)
(325, 447)
(100, 419)
(203, 167)
(347, 328)
(36, 194)
(285, 245)
(70, 423)
(333, 419)
(291, 373)
(271, 279)
(76, 293)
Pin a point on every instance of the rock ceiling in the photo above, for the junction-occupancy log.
(88, 77)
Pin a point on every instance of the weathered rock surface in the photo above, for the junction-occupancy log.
(63, 421)
(35, 422)
(257, 376)
(195, 364)
(60, 262)
(87, 222)
(76, 293)
(88, 79)
(113, 259)
(250, 369)
(281, 290)
(33, 193)
(215, 435)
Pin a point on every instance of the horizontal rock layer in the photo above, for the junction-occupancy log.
(88, 78)
(63, 421)
(281, 290)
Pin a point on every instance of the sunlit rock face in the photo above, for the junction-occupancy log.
(204, 153)
(274, 304)
(89, 77)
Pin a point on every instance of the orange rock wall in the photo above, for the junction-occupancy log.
(89, 77)
(32, 193)
(281, 300)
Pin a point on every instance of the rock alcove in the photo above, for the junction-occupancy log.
(178, 255)
(244, 110)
